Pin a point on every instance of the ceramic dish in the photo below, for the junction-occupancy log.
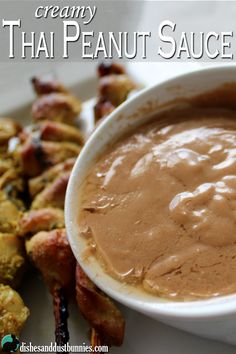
(213, 318)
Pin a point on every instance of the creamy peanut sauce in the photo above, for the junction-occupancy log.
(160, 205)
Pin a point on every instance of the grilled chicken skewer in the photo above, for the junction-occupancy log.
(48, 151)
(49, 170)
(103, 316)
(52, 255)
(38, 247)
(13, 312)
(12, 255)
(114, 87)
(49, 250)
(108, 326)
(105, 319)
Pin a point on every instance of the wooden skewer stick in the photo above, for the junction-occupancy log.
(95, 340)
(52, 256)
(61, 315)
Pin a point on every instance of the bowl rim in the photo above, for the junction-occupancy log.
(197, 309)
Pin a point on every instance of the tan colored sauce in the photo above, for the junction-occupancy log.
(160, 206)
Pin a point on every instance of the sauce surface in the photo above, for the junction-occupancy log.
(160, 205)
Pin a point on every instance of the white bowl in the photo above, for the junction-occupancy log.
(212, 318)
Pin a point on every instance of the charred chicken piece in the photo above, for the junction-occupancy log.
(5, 164)
(46, 219)
(102, 108)
(58, 107)
(46, 85)
(56, 131)
(12, 259)
(115, 88)
(105, 69)
(11, 211)
(38, 183)
(13, 185)
(37, 155)
(52, 255)
(54, 194)
(52, 131)
(34, 157)
(13, 312)
(11, 175)
(100, 312)
(8, 129)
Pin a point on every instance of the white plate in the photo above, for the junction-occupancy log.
(143, 335)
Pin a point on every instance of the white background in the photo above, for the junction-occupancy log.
(143, 335)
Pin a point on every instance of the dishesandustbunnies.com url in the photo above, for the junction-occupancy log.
(54, 348)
